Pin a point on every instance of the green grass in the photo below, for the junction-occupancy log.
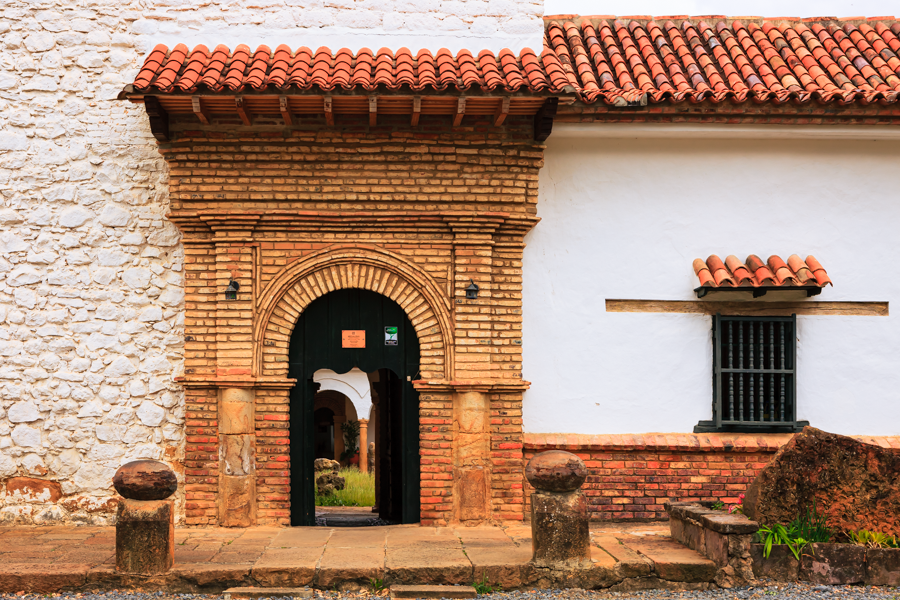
(359, 490)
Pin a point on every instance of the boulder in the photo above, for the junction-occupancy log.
(327, 478)
(145, 480)
(853, 484)
(556, 471)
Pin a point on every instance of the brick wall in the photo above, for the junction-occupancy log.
(631, 477)
(414, 214)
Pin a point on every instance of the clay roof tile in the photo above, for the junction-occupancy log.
(601, 59)
(755, 273)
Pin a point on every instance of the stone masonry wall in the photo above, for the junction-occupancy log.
(91, 283)
(91, 293)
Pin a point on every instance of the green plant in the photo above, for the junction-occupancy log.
(811, 526)
(359, 490)
(718, 505)
(350, 430)
(779, 535)
(483, 587)
(873, 539)
(376, 584)
(808, 528)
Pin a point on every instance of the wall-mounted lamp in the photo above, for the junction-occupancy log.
(232, 290)
(472, 290)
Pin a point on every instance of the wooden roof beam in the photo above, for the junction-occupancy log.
(199, 110)
(329, 113)
(242, 111)
(460, 111)
(373, 110)
(502, 112)
(159, 118)
(417, 110)
(285, 109)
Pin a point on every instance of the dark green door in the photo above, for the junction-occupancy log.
(316, 344)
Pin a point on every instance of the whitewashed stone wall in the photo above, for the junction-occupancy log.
(415, 24)
(91, 294)
(91, 289)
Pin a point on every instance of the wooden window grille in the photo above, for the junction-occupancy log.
(754, 375)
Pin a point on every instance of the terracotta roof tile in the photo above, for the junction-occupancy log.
(601, 59)
(753, 272)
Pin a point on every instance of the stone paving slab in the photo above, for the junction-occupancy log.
(52, 559)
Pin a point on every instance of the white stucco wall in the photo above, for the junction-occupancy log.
(624, 219)
(354, 384)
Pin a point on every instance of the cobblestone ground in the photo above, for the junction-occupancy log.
(763, 591)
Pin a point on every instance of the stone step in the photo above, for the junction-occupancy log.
(243, 593)
(433, 591)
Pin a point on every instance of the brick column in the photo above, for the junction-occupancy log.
(237, 458)
(363, 445)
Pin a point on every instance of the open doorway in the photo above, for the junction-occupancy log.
(369, 334)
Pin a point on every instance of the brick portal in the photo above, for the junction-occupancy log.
(411, 213)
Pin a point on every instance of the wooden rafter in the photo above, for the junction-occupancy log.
(329, 111)
(199, 111)
(373, 110)
(159, 118)
(460, 111)
(543, 119)
(242, 111)
(417, 110)
(285, 109)
(502, 112)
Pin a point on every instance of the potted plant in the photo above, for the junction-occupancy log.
(350, 455)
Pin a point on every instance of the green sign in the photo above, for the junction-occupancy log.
(390, 336)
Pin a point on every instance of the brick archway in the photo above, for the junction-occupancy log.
(370, 268)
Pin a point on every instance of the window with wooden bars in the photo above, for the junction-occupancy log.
(754, 375)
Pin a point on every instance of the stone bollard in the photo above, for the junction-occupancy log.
(145, 524)
(559, 519)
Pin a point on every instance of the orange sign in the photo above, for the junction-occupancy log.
(353, 338)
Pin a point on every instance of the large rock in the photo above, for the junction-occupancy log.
(327, 478)
(853, 484)
(145, 480)
(556, 471)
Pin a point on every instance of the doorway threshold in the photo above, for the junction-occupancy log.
(348, 516)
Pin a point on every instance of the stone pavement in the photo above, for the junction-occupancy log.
(50, 559)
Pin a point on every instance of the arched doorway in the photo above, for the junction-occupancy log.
(357, 328)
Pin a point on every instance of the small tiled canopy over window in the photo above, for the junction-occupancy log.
(754, 358)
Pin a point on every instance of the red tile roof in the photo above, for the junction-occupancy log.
(221, 70)
(616, 61)
(754, 273)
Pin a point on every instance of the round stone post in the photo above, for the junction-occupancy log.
(364, 445)
(559, 519)
(145, 523)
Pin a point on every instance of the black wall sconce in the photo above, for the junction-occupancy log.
(472, 290)
(232, 290)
